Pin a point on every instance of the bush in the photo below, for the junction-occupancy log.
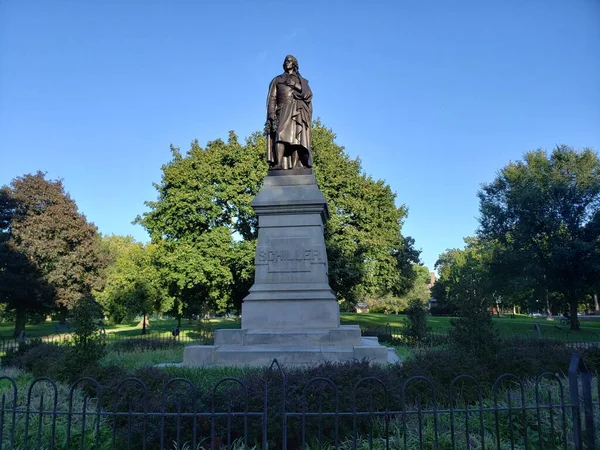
(591, 356)
(415, 327)
(87, 336)
(473, 333)
(13, 357)
(442, 311)
(523, 358)
(43, 359)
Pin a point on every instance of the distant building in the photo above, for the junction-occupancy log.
(431, 280)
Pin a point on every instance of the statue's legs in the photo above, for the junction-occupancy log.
(296, 164)
(280, 153)
(288, 157)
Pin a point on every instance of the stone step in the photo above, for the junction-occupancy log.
(344, 335)
(263, 355)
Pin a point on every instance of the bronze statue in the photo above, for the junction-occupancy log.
(289, 118)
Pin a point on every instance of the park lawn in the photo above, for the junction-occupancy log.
(37, 330)
(518, 326)
(522, 326)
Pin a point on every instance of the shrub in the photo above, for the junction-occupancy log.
(415, 327)
(436, 310)
(473, 333)
(524, 358)
(43, 359)
(14, 356)
(591, 356)
(87, 335)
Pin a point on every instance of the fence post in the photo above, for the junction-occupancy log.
(578, 370)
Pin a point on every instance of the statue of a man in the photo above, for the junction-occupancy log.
(289, 118)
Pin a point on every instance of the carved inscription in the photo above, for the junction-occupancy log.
(290, 255)
(286, 255)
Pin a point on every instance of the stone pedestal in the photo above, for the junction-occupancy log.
(291, 287)
(290, 312)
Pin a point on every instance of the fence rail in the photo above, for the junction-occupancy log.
(549, 412)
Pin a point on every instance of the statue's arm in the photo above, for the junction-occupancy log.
(272, 100)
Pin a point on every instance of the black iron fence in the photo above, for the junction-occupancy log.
(550, 412)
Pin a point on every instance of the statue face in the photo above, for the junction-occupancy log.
(288, 64)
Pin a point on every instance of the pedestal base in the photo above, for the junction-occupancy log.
(287, 314)
(290, 313)
(290, 347)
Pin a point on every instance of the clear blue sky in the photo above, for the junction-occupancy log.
(433, 96)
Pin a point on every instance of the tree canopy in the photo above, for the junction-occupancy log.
(539, 236)
(545, 211)
(133, 281)
(205, 229)
(48, 245)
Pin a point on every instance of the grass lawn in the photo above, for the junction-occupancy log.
(519, 326)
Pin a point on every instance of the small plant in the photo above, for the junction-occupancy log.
(415, 327)
(88, 340)
(473, 333)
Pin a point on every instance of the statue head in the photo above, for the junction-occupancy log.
(289, 59)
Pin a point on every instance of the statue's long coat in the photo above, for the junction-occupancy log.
(293, 112)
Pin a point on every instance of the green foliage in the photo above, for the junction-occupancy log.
(87, 322)
(137, 345)
(473, 333)
(133, 360)
(544, 212)
(46, 246)
(415, 327)
(96, 435)
(43, 359)
(465, 278)
(134, 281)
(88, 340)
(13, 357)
(397, 304)
(205, 229)
(368, 256)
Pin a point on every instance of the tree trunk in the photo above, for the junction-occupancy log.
(596, 302)
(20, 319)
(62, 315)
(548, 308)
(574, 319)
(144, 324)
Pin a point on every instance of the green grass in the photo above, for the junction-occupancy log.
(519, 326)
(136, 360)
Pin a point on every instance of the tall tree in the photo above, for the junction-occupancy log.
(22, 287)
(368, 255)
(205, 227)
(392, 303)
(42, 224)
(464, 279)
(543, 210)
(134, 284)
